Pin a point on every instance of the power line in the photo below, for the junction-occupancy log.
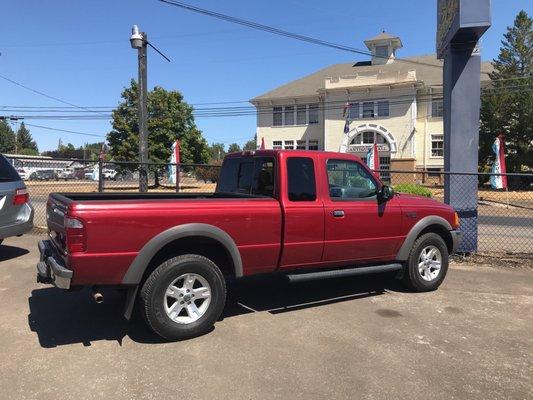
(63, 130)
(102, 109)
(280, 32)
(45, 95)
(252, 110)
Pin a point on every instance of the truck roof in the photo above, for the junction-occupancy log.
(300, 153)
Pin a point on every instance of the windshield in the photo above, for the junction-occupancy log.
(7, 172)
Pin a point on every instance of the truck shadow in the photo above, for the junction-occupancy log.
(62, 318)
(10, 252)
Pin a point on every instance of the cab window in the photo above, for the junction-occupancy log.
(301, 179)
(349, 180)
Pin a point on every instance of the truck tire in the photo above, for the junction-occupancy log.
(427, 264)
(183, 297)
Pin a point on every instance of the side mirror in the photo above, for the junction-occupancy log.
(385, 193)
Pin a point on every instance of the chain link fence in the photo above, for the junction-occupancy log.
(504, 217)
(43, 176)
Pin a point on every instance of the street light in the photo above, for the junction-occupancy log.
(136, 38)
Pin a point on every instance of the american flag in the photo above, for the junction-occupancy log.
(347, 126)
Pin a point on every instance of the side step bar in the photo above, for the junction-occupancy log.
(309, 276)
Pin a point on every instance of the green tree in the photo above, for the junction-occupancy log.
(7, 138)
(250, 145)
(507, 105)
(25, 142)
(234, 147)
(217, 152)
(169, 118)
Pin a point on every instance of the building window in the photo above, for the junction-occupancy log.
(295, 115)
(353, 111)
(289, 145)
(434, 172)
(368, 110)
(313, 145)
(368, 137)
(437, 145)
(277, 144)
(278, 120)
(289, 115)
(300, 145)
(383, 108)
(437, 107)
(301, 114)
(382, 51)
(313, 113)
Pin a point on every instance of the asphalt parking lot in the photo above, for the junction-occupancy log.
(362, 337)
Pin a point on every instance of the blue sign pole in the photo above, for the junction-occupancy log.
(460, 25)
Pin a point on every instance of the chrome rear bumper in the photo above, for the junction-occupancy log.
(50, 268)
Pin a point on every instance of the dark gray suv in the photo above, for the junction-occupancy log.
(16, 212)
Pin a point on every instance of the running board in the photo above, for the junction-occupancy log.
(339, 273)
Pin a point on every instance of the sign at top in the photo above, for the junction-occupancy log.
(461, 21)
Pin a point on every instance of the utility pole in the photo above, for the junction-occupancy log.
(139, 41)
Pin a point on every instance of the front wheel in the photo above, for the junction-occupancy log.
(427, 265)
(183, 297)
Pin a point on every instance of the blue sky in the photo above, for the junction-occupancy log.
(79, 51)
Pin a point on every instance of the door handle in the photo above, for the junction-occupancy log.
(338, 213)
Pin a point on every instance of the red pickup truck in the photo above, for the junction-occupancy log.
(307, 214)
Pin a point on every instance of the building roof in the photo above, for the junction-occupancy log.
(382, 36)
(427, 72)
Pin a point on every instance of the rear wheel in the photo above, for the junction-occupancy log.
(183, 297)
(427, 265)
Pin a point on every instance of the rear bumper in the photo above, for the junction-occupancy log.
(23, 224)
(50, 268)
(456, 239)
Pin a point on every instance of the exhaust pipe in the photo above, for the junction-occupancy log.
(97, 296)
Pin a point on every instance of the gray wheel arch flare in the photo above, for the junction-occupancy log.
(403, 253)
(136, 270)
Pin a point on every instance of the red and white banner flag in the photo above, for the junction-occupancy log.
(499, 181)
(372, 158)
(174, 159)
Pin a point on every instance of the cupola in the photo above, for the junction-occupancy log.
(383, 48)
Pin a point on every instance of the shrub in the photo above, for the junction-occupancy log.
(208, 173)
(412, 188)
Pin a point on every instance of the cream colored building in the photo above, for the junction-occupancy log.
(394, 103)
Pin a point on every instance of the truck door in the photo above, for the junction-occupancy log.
(357, 227)
(303, 235)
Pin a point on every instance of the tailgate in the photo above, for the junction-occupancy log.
(56, 208)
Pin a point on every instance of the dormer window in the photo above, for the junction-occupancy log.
(382, 51)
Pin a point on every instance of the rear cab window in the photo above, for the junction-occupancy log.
(253, 176)
(7, 171)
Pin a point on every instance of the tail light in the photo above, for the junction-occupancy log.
(75, 235)
(21, 197)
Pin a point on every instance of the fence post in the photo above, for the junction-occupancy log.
(177, 177)
(100, 175)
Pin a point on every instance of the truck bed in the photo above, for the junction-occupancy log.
(67, 198)
(118, 225)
